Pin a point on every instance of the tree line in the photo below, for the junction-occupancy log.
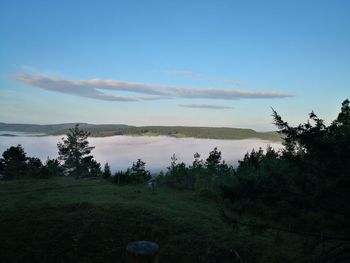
(313, 154)
(74, 159)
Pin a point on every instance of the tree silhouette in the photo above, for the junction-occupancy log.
(106, 171)
(213, 160)
(138, 171)
(74, 151)
(305, 185)
(13, 162)
(54, 167)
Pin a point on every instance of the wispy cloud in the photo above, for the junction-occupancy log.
(205, 106)
(143, 91)
(68, 87)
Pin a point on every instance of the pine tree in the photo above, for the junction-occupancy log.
(13, 162)
(213, 161)
(106, 171)
(138, 171)
(74, 151)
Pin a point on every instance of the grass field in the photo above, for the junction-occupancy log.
(92, 220)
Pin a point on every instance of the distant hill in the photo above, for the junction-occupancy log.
(103, 130)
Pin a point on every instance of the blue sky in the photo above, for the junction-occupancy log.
(199, 63)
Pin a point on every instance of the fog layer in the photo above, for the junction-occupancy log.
(121, 151)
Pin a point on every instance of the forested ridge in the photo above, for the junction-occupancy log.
(102, 130)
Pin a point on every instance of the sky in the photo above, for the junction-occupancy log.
(191, 63)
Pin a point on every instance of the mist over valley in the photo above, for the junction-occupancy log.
(121, 151)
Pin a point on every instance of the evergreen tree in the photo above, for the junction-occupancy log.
(14, 162)
(138, 171)
(35, 168)
(173, 163)
(106, 171)
(213, 160)
(74, 151)
(197, 163)
(53, 167)
(310, 175)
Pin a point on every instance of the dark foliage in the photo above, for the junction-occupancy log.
(304, 188)
(74, 151)
(135, 175)
(14, 162)
(121, 178)
(204, 177)
(35, 168)
(54, 167)
(138, 172)
(106, 171)
(178, 175)
(15, 165)
(213, 161)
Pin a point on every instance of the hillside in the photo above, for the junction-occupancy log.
(101, 130)
(92, 220)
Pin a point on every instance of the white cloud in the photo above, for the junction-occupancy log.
(143, 91)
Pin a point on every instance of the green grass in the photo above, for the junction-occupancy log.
(92, 220)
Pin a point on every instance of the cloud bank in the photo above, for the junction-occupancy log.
(94, 89)
(205, 106)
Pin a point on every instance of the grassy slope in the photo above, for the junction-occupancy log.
(91, 220)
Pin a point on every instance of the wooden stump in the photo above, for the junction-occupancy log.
(142, 252)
